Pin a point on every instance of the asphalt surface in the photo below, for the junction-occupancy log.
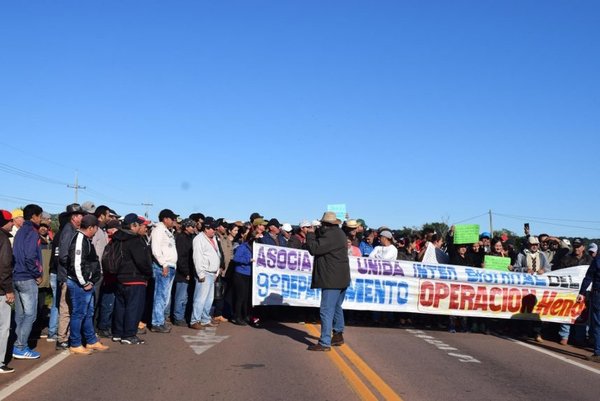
(271, 363)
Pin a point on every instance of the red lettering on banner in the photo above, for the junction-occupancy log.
(426, 294)
(492, 299)
(556, 307)
(454, 296)
(481, 299)
(468, 293)
(543, 307)
(441, 292)
(513, 300)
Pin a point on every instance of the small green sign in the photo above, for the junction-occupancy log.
(496, 263)
(466, 233)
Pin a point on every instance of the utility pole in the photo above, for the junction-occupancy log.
(491, 226)
(148, 206)
(76, 186)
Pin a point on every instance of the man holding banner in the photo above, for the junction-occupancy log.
(331, 273)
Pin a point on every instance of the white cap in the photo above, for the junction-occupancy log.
(316, 223)
(286, 227)
(305, 223)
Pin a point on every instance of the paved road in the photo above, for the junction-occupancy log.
(272, 363)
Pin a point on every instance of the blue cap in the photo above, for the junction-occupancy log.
(484, 235)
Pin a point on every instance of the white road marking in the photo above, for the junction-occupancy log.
(29, 377)
(204, 340)
(443, 346)
(557, 356)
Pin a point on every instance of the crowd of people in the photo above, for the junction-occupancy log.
(114, 277)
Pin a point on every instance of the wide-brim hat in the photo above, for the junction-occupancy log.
(330, 218)
(74, 208)
(351, 223)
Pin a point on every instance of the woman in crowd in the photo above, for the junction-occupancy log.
(242, 281)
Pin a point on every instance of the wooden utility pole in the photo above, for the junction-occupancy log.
(76, 186)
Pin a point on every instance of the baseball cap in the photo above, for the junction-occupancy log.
(167, 214)
(286, 227)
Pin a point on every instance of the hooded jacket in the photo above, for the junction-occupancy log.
(136, 265)
(84, 266)
(6, 263)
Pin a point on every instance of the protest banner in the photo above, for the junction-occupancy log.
(282, 276)
(496, 263)
(466, 233)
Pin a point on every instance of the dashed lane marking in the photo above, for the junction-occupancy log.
(439, 344)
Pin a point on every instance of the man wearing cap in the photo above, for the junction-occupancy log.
(83, 273)
(207, 262)
(7, 294)
(27, 275)
(272, 236)
(74, 213)
(592, 250)
(184, 270)
(331, 273)
(105, 288)
(17, 215)
(578, 257)
(164, 253)
(286, 232)
(298, 239)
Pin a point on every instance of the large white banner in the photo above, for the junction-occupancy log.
(282, 276)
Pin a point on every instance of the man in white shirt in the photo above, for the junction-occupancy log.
(207, 262)
(387, 250)
(164, 261)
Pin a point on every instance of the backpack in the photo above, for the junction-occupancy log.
(112, 257)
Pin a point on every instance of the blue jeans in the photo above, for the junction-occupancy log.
(203, 299)
(53, 324)
(332, 314)
(129, 306)
(162, 294)
(26, 299)
(82, 314)
(107, 305)
(180, 301)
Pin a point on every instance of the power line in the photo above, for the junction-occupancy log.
(26, 174)
(520, 218)
(14, 198)
(472, 218)
(552, 219)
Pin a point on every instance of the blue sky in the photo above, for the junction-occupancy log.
(407, 111)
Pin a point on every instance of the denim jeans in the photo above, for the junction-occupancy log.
(26, 299)
(82, 314)
(4, 327)
(129, 307)
(107, 305)
(53, 324)
(162, 294)
(203, 299)
(332, 314)
(180, 301)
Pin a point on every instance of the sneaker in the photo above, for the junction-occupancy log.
(160, 329)
(104, 333)
(539, 339)
(62, 346)
(116, 339)
(180, 323)
(80, 350)
(197, 326)
(25, 353)
(337, 339)
(97, 346)
(239, 322)
(52, 339)
(6, 369)
(209, 324)
(135, 340)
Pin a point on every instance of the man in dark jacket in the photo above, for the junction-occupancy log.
(133, 274)
(184, 270)
(74, 213)
(592, 276)
(331, 273)
(83, 272)
(7, 295)
(27, 275)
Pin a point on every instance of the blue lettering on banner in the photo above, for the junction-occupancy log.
(375, 291)
(289, 286)
(504, 278)
(434, 272)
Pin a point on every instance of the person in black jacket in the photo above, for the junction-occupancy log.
(331, 273)
(83, 272)
(133, 274)
(184, 270)
(7, 293)
(592, 276)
